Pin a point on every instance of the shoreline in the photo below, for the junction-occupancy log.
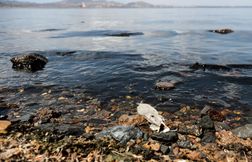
(61, 133)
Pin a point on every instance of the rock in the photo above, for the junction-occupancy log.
(190, 129)
(121, 133)
(206, 122)
(185, 144)
(244, 131)
(198, 66)
(30, 62)
(4, 124)
(219, 126)
(222, 31)
(62, 129)
(167, 137)
(164, 149)
(225, 138)
(165, 85)
(65, 53)
(216, 115)
(209, 137)
(124, 34)
(131, 120)
(205, 110)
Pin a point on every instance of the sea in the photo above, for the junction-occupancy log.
(85, 57)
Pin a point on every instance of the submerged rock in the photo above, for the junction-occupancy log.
(30, 62)
(121, 133)
(198, 66)
(165, 85)
(124, 34)
(244, 131)
(222, 31)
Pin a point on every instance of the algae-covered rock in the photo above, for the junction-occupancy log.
(30, 62)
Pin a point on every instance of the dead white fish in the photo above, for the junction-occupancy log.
(151, 114)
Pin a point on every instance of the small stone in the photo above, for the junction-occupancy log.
(206, 122)
(164, 149)
(185, 144)
(165, 137)
(190, 129)
(205, 110)
(209, 137)
(61, 98)
(219, 126)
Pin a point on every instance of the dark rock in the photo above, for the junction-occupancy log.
(198, 66)
(244, 131)
(124, 34)
(190, 129)
(219, 126)
(62, 129)
(3, 117)
(222, 31)
(148, 155)
(168, 137)
(65, 53)
(121, 133)
(164, 149)
(206, 122)
(209, 137)
(50, 30)
(30, 62)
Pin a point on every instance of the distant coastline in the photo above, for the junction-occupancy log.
(97, 4)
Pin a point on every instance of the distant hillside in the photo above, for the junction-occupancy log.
(77, 4)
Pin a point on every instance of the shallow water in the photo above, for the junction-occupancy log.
(109, 67)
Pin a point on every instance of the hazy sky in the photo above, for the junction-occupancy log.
(178, 2)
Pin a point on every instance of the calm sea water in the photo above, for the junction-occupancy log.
(109, 67)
